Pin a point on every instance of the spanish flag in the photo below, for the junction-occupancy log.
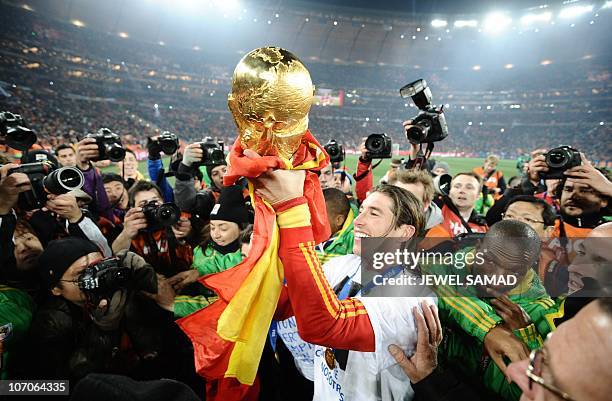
(228, 336)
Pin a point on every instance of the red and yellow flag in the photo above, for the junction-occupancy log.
(229, 335)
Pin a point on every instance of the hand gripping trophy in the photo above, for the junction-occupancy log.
(271, 95)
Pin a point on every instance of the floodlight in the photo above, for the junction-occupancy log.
(439, 23)
(496, 22)
(531, 18)
(575, 11)
(469, 23)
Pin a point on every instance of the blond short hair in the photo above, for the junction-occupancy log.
(414, 177)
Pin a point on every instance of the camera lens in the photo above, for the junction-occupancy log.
(115, 152)
(417, 133)
(557, 158)
(374, 143)
(63, 180)
(168, 146)
(168, 214)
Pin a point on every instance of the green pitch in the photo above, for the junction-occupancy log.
(457, 164)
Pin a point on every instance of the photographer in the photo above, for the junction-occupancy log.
(164, 248)
(87, 150)
(419, 183)
(117, 195)
(66, 155)
(458, 210)
(83, 325)
(128, 169)
(156, 168)
(185, 192)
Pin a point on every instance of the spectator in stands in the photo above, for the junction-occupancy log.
(573, 362)
(340, 217)
(458, 209)
(165, 249)
(420, 184)
(66, 155)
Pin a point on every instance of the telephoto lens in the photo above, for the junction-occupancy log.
(63, 180)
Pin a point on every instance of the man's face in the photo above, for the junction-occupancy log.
(417, 189)
(578, 199)
(530, 214)
(593, 259)
(68, 287)
(439, 171)
(574, 359)
(326, 178)
(117, 194)
(66, 157)
(464, 191)
(217, 174)
(500, 260)
(375, 220)
(129, 164)
(143, 197)
(342, 183)
(224, 232)
(27, 250)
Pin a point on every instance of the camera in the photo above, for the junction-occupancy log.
(335, 151)
(430, 124)
(100, 280)
(45, 179)
(212, 152)
(15, 132)
(109, 145)
(378, 146)
(168, 142)
(160, 216)
(559, 160)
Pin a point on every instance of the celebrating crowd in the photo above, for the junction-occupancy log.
(160, 239)
(243, 264)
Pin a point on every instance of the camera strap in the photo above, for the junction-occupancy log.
(365, 173)
(420, 162)
(449, 203)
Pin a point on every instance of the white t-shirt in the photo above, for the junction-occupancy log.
(303, 352)
(369, 376)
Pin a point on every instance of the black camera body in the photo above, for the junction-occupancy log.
(430, 124)
(160, 216)
(109, 145)
(335, 151)
(378, 146)
(100, 280)
(15, 132)
(168, 142)
(212, 152)
(559, 160)
(45, 179)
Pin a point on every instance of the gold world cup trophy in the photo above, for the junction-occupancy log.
(270, 99)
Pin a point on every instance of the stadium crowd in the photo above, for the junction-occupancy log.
(99, 281)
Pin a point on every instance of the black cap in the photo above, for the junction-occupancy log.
(209, 170)
(38, 155)
(231, 206)
(59, 255)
